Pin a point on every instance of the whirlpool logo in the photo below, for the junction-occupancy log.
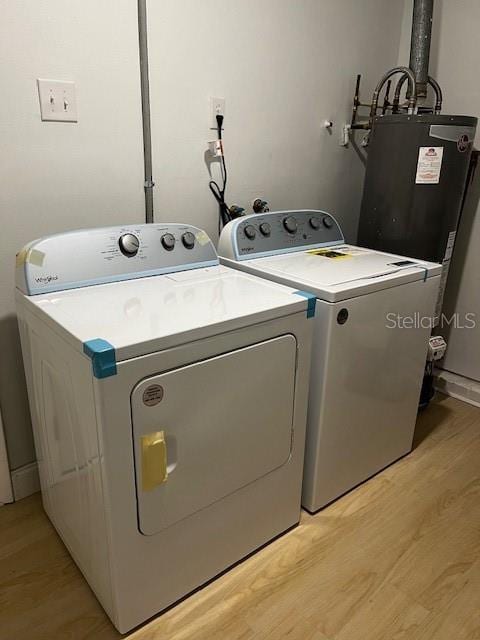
(46, 279)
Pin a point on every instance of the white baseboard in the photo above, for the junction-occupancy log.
(458, 387)
(6, 494)
(25, 481)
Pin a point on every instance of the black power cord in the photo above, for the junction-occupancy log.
(217, 191)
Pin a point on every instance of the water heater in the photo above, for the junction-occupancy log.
(417, 163)
(414, 185)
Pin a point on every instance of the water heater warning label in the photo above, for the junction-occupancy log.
(429, 165)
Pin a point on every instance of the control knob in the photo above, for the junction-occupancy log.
(250, 231)
(188, 240)
(314, 223)
(290, 224)
(265, 229)
(328, 222)
(168, 241)
(129, 245)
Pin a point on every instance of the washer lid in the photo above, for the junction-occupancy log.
(342, 271)
(142, 316)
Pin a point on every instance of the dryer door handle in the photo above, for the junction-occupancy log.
(154, 460)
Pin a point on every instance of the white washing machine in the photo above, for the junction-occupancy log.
(168, 395)
(372, 325)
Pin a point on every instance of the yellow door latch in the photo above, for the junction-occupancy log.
(154, 460)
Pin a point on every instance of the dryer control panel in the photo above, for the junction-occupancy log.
(278, 232)
(98, 256)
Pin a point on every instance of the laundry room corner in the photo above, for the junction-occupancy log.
(239, 320)
(283, 72)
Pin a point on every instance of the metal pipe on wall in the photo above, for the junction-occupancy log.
(438, 94)
(145, 93)
(412, 100)
(420, 43)
(431, 81)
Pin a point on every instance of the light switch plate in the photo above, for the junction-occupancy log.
(57, 100)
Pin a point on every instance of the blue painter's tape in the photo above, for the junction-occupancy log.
(102, 354)
(312, 301)
(425, 272)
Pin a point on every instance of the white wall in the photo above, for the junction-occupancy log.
(57, 176)
(283, 67)
(454, 63)
(456, 66)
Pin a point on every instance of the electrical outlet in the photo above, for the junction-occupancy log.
(217, 108)
(57, 100)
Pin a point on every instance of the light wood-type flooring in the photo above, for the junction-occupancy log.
(397, 558)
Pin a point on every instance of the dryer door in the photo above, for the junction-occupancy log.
(207, 429)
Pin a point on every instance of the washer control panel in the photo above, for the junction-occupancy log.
(98, 256)
(278, 232)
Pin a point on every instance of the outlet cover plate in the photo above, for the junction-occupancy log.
(58, 101)
(217, 107)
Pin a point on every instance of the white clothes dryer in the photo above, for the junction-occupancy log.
(168, 395)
